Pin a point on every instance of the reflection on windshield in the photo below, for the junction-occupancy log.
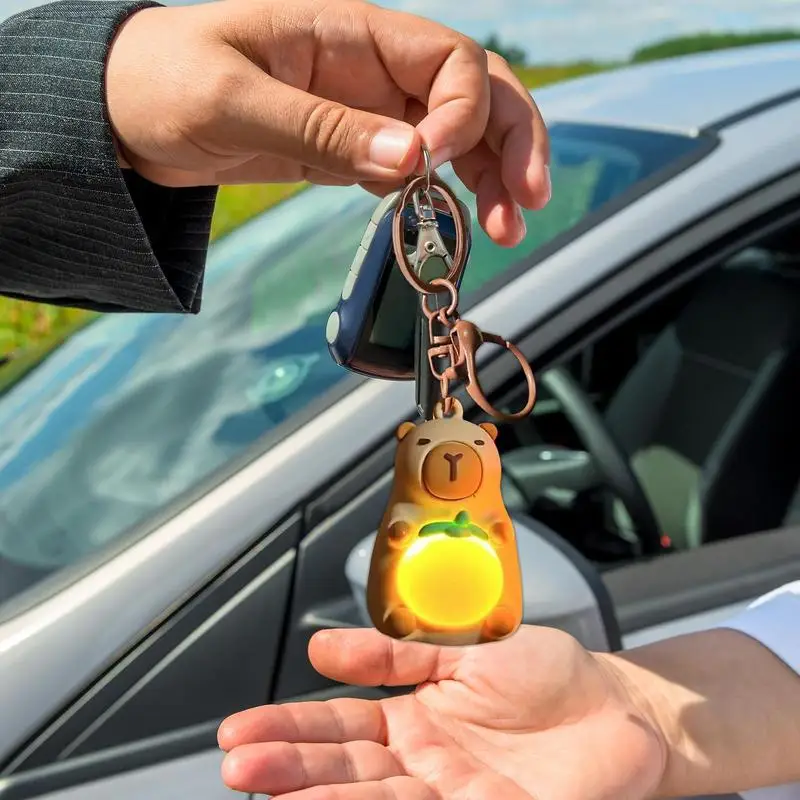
(136, 409)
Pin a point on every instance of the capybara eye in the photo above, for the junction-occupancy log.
(479, 441)
(424, 441)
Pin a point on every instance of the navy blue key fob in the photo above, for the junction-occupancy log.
(375, 328)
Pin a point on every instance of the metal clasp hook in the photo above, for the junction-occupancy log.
(467, 338)
(429, 241)
(418, 191)
(430, 245)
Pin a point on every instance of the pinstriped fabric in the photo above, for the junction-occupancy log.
(74, 228)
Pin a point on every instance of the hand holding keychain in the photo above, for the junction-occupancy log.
(445, 567)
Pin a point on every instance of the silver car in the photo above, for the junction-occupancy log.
(185, 500)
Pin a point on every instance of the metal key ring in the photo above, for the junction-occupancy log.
(427, 169)
(398, 239)
(468, 338)
(440, 285)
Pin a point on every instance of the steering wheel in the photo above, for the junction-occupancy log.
(608, 457)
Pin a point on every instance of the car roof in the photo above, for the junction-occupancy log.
(683, 94)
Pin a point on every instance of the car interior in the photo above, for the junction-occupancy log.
(678, 428)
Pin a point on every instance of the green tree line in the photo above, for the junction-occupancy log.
(666, 48)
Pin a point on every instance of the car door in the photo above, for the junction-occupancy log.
(648, 599)
(147, 725)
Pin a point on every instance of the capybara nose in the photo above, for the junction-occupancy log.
(452, 471)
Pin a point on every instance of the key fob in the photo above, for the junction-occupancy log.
(374, 328)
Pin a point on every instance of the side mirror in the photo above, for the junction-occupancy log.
(560, 588)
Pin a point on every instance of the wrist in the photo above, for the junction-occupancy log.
(123, 87)
(659, 705)
(725, 708)
(649, 702)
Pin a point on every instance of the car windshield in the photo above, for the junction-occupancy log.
(135, 410)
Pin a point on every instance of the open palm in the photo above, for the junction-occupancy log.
(533, 716)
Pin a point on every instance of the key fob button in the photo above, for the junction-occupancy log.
(368, 234)
(332, 328)
(349, 283)
(361, 254)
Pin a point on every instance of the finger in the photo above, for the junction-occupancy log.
(458, 106)
(268, 169)
(340, 720)
(443, 69)
(367, 658)
(516, 132)
(413, 114)
(260, 115)
(498, 214)
(380, 189)
(399, 788)
(276, 768)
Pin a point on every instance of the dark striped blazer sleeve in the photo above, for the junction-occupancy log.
(75, 229)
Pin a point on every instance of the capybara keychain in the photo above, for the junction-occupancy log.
(445, 567)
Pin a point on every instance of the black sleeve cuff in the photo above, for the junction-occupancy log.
(75, 229)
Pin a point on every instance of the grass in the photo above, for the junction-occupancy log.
(237, 204)
(25, 325)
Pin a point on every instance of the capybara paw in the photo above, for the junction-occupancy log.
(399, 534)
(499, 624)
(400, 623)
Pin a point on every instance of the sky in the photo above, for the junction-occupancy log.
(555, 31)
(568, 30)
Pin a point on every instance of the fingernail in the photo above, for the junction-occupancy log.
(548, 182)
(390, 147)
(523, 228)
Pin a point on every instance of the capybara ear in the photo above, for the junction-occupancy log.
(490, 429)
(404, 429)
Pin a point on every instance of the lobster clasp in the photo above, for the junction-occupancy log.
(429, 241)
(467, 339)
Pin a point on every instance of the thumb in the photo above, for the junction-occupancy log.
(263, 116)
(365, 657)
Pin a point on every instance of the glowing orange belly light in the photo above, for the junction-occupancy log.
(445, 566)
(450, 582)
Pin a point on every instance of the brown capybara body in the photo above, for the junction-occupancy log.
(447, 472)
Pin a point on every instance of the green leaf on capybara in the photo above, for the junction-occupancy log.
(433, 528)
(459, 528)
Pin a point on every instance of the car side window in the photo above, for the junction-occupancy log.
(696, 396)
